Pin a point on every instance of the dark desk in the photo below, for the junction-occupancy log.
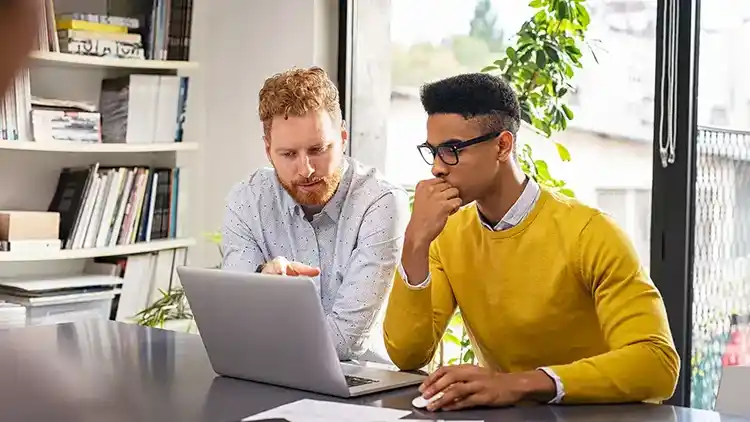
(99, 371)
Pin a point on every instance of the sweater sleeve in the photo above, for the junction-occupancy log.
(642, 364)
(416, 318)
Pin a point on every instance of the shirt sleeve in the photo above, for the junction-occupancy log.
(369, 274)
(240, 250)
(559, 387)
(416, 318)
(402, 273)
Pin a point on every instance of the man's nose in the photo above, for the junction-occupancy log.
(439, 168)
(304, 167)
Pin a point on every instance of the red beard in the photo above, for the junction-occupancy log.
(319, 190)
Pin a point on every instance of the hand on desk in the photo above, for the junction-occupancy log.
(282, 266)
(466, 386)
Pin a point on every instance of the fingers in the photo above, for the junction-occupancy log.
(446, 376)
(450, 193)
(430, 380)
(471, 400)
(455, 393)
(282, 266)
(454, 205)
(302, 269)
(435, 185)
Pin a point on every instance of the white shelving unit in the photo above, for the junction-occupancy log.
(77, 147)
(66, 254)
(46, 58)
(29, 169)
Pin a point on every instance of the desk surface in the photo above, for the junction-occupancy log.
(102, 370)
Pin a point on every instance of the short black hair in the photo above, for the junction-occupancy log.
(487, 98)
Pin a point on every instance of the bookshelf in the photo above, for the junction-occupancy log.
(31, 163)
(67, 254)
(49, 58)
(100, 128)
(79, 147)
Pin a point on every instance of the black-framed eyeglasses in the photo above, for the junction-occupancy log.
(448, 150)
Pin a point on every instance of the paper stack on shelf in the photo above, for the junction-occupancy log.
(58, 120)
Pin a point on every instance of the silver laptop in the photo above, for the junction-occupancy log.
(272, 329)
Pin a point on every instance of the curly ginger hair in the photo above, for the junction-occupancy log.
(296, 92)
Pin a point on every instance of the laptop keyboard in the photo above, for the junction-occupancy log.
(357, 381)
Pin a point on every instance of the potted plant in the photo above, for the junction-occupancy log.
(172, 311)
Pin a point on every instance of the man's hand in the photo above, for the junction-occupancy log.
(434, 201)
(466, 386)
(282, 266)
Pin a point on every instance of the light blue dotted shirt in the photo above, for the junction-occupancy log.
(356, 241)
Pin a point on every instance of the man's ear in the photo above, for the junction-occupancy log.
(505, 143)
(344, 135)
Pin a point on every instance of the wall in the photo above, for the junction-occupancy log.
(239, 43)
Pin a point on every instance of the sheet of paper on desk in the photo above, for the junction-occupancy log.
(318, 411)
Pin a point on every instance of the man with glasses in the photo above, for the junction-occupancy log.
(552, 295)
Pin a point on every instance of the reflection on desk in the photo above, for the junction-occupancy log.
(104, 370)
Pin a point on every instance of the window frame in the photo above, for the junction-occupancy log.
(673, 187)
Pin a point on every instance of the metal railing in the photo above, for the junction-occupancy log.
(721, 269)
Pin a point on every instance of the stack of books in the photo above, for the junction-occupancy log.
(99, 35)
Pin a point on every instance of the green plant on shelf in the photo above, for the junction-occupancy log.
(172, 305)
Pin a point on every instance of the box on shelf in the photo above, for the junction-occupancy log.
(29, 225)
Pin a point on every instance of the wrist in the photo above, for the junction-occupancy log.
(534, 386)
(415, 245)
(415, 261)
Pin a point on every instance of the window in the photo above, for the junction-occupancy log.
(719, 116)
(631, 209)
(396, 46)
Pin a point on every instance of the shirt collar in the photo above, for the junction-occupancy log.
(520, 208)
(333, 207)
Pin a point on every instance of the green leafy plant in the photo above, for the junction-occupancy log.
(172, 305)
(540, 67)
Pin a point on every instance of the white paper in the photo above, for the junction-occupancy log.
(318, 411)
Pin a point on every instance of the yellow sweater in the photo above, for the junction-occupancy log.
(563, 289)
